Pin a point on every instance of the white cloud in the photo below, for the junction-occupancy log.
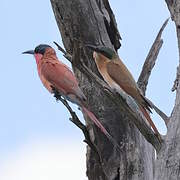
(45, 161)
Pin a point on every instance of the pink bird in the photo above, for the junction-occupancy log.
(56, 75)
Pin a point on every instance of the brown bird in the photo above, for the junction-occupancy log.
(117, 76)
(57, 76)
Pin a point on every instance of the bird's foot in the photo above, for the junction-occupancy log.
(56, 94)
(107, 89)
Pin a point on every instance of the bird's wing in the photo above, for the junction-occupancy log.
(121, 75)
(61, 78)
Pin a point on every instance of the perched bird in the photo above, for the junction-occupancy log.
(117, 76)
(56, 75)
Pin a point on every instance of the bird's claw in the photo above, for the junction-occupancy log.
(107, 89)
(56, 94)
(57, 97)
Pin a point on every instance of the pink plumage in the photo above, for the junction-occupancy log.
(53, 73)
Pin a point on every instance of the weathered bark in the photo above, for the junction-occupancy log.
(168, 160)
(120, 99)
(148, 66)
(90, 21)
(93, 22)
(150, 60)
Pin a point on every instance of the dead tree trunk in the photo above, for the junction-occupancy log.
(168, 161)
(93, 22)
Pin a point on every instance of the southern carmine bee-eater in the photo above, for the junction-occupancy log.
(57, 76)
(117, 76)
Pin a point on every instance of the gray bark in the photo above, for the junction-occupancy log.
(93, 22)
(168, 160)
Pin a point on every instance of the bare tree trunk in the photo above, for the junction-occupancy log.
(168, 160)
(93, 22)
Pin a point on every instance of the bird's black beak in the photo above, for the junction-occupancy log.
(28, 52)
(94, 48)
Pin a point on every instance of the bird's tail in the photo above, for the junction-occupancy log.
(100, 126)
(147, 116)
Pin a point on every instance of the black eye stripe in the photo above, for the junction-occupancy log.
(107, 52)
(108, 55)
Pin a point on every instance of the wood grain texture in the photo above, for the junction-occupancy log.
(151, 60)
(93, 22)
(120, 98)
(168, 160)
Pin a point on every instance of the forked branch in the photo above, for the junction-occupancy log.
(74, 118)
(150, 60)
(121, 99)
(148, 66)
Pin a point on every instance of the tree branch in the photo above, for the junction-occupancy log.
(176, 82)
(148, 66)
(167, 164)
(151, 59)
(124, 100)
(74, 118)
(158, 111)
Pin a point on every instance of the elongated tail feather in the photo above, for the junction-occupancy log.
(101, 127)
(147, 116)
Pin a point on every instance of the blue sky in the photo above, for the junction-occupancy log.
(32, 124)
